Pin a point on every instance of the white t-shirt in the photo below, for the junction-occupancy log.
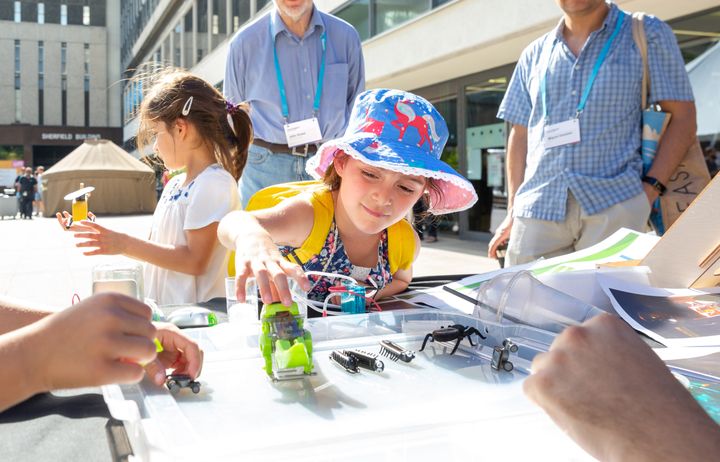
(203, 201)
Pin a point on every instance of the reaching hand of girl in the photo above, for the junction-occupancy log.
(257, 255)
(101, 240)
(66, 221)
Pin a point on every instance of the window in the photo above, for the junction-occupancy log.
(86, 84)
(63, 58)
(18, 12)
(87, 59)
(63, 14)
(63, 81)
(17, 56)
(41, 57)
(18, 100)
(41, 13)
(357, 14)
(86, 15)
(41, 82)
(391, 13)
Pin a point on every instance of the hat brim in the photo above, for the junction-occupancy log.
(457, 192)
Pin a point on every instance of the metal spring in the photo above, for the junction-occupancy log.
(349, 363)
(366, 360)
(395, 351)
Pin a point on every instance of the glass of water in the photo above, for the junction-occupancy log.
(122, 277)
(242, 311)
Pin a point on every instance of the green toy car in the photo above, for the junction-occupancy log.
(284, 344)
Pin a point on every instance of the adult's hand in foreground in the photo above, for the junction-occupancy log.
(613, 395)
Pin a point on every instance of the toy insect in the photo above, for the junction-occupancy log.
(395, 351)
(177, 381)
(501, 354)
(349, 363)
(450, 333)
(284, 344)
(366, 360)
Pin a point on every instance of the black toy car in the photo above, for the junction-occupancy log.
(177, 381)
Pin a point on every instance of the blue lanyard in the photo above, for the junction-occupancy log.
(598, 63)
(281, 85)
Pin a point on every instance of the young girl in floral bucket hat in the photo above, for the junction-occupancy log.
(352, 220)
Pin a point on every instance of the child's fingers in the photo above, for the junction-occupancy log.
(123, 372)
(296, 272)
(262, 279)
(156, 371)
(131, 307)
(283, 289)
(83, 235)
(140, 349)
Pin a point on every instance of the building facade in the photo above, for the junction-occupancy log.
(459, 54)
(60, 84)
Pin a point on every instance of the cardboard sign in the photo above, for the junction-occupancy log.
(688, 255)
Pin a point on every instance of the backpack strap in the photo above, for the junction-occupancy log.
(638, 31)
(321, 199)
(401, 237)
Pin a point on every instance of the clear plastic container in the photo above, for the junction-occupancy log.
(520, 298)
(436, 407)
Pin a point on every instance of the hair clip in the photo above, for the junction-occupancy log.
(231, 108)
(188, 105)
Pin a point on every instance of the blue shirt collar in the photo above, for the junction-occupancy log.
(277, 25)
(608, 22)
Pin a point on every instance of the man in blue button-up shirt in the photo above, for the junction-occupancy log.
(572, 194)
(294, 31)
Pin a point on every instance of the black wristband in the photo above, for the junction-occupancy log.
(655, 183)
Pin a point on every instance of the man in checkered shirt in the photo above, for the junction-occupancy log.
(573, 163)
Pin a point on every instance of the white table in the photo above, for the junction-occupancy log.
(439, 407)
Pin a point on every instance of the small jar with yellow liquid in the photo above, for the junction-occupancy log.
(79, 200)
(80, 206)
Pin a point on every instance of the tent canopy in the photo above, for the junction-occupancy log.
(122, 183)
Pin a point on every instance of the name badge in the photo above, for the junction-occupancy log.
(563, 133)
(303, 132)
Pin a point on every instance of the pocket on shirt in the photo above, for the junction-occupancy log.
(335, 87)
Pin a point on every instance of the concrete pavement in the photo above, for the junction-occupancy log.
(41, 264)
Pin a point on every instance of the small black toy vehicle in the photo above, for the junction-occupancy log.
(177, 381)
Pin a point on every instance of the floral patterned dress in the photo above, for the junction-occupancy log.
(333, 259)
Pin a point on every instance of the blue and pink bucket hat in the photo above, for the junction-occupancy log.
(402, 132)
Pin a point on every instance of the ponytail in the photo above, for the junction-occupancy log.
(240, 135)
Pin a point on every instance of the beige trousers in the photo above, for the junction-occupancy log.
(531, 239)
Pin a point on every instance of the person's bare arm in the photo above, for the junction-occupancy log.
(192, 258)
(605, 387)
(679, 135)
(516, 161)
(15, 314)
(255, 236)
(97, 341)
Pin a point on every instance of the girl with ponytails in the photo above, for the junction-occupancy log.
(191, 127)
